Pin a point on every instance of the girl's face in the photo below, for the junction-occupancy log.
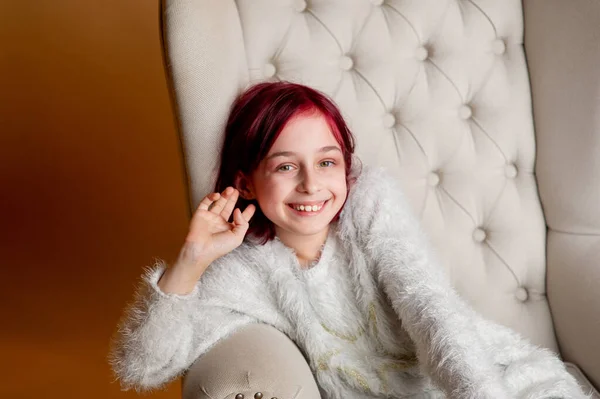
(301, 184)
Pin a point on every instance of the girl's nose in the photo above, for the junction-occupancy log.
(309, 183)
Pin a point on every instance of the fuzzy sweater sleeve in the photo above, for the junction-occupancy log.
(438, 321)
(161, 334)
(531, 372)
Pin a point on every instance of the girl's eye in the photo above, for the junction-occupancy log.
(326, 164)
(285, 168)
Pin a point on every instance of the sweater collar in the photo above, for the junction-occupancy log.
(316, 267)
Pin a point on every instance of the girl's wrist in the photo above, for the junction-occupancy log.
(179, 279)
(190, 255)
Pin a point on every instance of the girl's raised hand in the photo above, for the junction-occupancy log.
(211, 235)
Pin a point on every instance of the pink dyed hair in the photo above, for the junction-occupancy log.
(257, 117)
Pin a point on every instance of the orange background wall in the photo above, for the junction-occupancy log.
(91, 187)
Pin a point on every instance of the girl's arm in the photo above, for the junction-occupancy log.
(162, 334)
(438, 321)
(529, 371)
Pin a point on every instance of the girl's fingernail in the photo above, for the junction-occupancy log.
(228, 190)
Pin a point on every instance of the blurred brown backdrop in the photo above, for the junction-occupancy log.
(92, 186)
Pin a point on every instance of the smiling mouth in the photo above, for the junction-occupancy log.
(308, 208)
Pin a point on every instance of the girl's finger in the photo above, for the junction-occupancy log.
(220, 203)
(249, 212)
(209, 199)
(228, 208)
(240, 225)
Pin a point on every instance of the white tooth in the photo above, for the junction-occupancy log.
(301, 208)
(314, 208)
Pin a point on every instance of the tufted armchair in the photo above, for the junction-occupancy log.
(487, 111)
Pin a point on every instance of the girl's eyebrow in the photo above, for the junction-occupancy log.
(291, 153)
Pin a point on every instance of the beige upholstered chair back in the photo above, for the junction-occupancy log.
(438, 91)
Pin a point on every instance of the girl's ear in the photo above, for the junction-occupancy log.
(244, 186)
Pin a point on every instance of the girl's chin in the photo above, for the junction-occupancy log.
(303, 228)
(312, 226)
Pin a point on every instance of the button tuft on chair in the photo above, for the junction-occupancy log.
(300, 5)
(521, 294)
(269, 70)
(389, 120)
(498, 47)
(479, 235)
(258, 395)
(465, 112)
(346, 63)
(239, 396)
(421, 53)
(433, 179)
(510, 171)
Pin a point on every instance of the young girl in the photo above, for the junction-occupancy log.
(328, 253)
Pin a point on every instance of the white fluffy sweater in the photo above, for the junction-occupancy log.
(375, 316)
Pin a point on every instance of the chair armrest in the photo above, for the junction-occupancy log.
(257, 358)
(585, 384)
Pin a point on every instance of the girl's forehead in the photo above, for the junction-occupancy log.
(305, 131)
